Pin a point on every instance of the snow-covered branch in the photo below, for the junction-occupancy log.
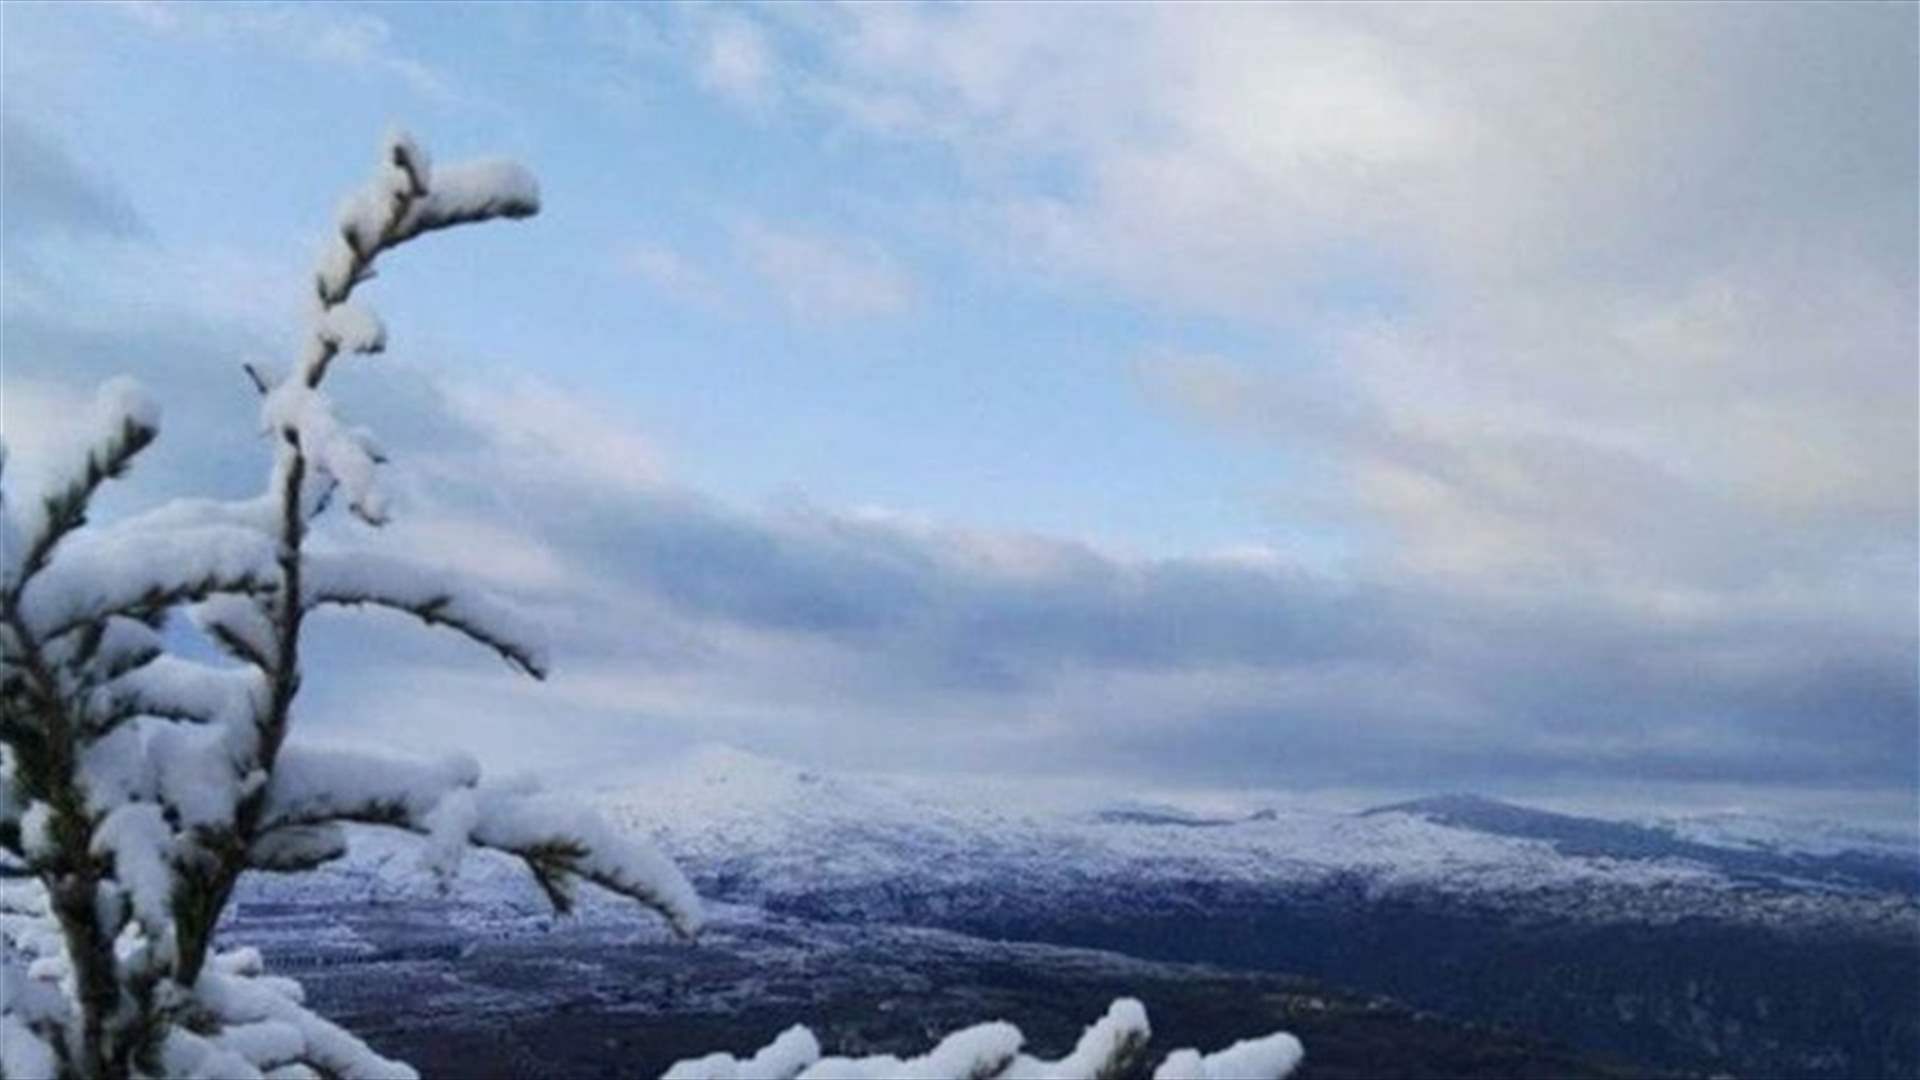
(559, 841)
(435, 597)
(1111, 1047)
(120, 571)
(123, 421)
(137, 787)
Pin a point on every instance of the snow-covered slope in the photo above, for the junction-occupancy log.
(756, 830)
(1705, 951)
(753, 830)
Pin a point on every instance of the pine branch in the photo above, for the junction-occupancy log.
(1111, 1048)
(158, 597)
(442, 609)
(560, 843)
(65, 509)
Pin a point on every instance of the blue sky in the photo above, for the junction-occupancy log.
(1335, 399)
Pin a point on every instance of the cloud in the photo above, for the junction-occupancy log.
(538, 432)
(1225, 156)
(45, 190)
(818, 276)
(736, 62)
(814, 632)
(1629, 469)
(672, 273)
(354, 40)
(1620, 302)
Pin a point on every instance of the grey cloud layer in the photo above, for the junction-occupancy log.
(1660, 531)
(1052, 652)
(46, 190)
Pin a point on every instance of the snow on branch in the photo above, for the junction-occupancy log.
(981, 1051)
(1112, 1046)
(122, 422)
(408, 197)
(435, 597)
(346, 456)
(783, 1058)
(185, 690)
(352, 328)
(314, 785)
(470, 192)
(561, 842)
(119, 570)
(1276, 1055)
(262, 1027)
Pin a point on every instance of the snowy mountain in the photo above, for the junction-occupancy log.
(755, 830)
(1660, 943)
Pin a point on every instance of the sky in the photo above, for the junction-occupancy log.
(1349, 401)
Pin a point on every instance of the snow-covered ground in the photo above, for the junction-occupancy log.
(754, 830)
(1678, 933)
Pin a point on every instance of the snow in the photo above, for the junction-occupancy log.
(120, 414)
(137, 837)
(791, 1051)
(334, 271)
(473, 191)
(225, 697)
(271, 1020)
(36, 831)
(23, 1053)
(1276, 1055)
(297, 847)
(102, 570)
(444, 801)
(194, 769)
(122, 400)
(342, 454)
(363, 217)
(114, 770)
(166, 750)
(720, 805)
(410, 157)
(1122, 1032)
(1108, 1048)
(983, 1050)
(449, 826)
(352, 327)
(775, 832)
(238, 622)
(613, 858)
(434, 595)
(317, 784)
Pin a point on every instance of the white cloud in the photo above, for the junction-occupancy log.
(672, 273)
(818, 276)
(736, 62)
(1629, 256)
(355, 40)
(489, 551)
(536, 429)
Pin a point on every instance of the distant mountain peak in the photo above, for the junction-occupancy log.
(1446, 805)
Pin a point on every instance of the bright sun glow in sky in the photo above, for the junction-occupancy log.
(1333, 398)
